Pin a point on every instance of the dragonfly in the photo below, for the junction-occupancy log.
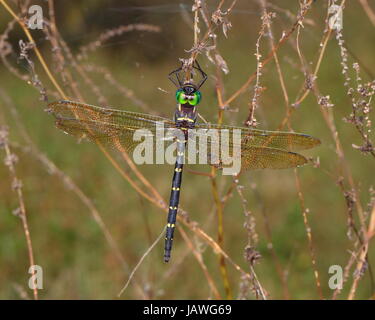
(259, 149)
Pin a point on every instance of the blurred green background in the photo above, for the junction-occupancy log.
(68, 244)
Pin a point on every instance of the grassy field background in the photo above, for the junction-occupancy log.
(69, 244)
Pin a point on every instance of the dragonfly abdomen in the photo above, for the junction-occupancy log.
(174, 200)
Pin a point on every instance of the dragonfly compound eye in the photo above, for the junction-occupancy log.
(195, 98)
(180, 97)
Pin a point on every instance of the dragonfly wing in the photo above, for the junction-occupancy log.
(259, 149)
(103, 125)
(272, 139)
(253, 158)
(210, 147)
(270, 158)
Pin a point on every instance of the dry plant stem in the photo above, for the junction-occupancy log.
(127, 177)
(118, 31)
(370, 13)
(203, 266)
(94, 88)
(317, 67)
(305, 213)
(220, 233)
(253, 104)
(217, 249)
(362, 256)
(279, 268)
(280, 271)
(289, 14)
(216, 196)
(251, 255)
(347, 269)
(126, 92)
(68, 79)
(140, 176)
(371, 227)
(218, 202)
(17, 186)
(196, 21)
(304, 210)
(281, 77)
(37, 52)
(140, 262)
(270, 56)
(5, 51)
(173, 269)
(210, 28)
(318, 64)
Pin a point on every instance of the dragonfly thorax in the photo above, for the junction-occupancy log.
(185, 116)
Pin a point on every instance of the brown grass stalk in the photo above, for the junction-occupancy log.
(10, 160)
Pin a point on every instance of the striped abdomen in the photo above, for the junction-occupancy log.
(174, 199)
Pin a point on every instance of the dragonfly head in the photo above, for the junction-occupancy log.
(188, 95)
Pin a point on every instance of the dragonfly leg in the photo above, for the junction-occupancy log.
(203, 74)
(176, 73)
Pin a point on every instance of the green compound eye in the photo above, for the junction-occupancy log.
(196, 99)
(180, 97)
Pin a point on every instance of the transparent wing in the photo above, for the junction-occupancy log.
(272, 139)
(267, 158)
(103, 125)
(214, 148)
(259, 149)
